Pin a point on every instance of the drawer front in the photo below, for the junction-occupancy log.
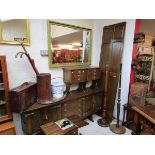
(93, 74)
(78, 76)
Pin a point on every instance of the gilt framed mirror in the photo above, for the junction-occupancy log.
(68, 45)
(14, 31)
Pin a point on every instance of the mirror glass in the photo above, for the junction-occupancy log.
(68, 45)
(15, 31)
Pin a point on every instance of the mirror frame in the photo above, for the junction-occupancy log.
(49, 23)
(16, 42)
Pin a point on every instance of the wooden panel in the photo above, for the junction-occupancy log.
(111, 96)
(51, 114)
(119, 32)
(53, 129)
(31, 122)
(7, 129)
(105, 56)
(5, 113)
(93, 74)
(116, 55)
(87, 106)
(72, 108)
(97, 102)
(108, 34)
(110, 59)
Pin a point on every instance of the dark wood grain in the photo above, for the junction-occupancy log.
(4, 93)
(53, 129)
(110, 60)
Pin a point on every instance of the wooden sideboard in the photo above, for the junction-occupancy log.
(144, 120)
(82, 102)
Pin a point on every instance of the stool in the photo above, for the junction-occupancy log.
(52, 128)
(127, 108)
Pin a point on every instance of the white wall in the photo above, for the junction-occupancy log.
(127, 52)
(19, 70)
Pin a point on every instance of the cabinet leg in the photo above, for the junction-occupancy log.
(91, 118)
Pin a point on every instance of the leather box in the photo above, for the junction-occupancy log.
(23, 96)
(138, 93)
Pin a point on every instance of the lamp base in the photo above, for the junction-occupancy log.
(103, 123)
(117, 130)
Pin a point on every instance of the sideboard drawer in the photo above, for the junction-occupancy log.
(93, 74)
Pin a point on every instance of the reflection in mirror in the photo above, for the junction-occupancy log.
(69, 45)
(15, 31)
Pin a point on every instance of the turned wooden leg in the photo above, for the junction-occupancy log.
(136, 124)
(67, 88)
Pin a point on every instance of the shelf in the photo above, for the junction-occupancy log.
(2, 102)
(4, 118)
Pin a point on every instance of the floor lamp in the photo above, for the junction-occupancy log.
(117, 128)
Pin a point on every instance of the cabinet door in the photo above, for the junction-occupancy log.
(73, 107)
(87, 106)
(51, 114)
(97, 103)
(31, 122)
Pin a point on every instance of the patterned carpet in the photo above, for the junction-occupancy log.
(94, 129)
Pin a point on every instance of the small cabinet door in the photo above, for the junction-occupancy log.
(97, 103)
(72, 108)
(87, 106)
(31, 122)
(51, 114)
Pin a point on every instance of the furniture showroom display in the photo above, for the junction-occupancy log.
(82, 102)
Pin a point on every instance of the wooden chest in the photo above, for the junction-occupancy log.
(81, 74)
(23, 96)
